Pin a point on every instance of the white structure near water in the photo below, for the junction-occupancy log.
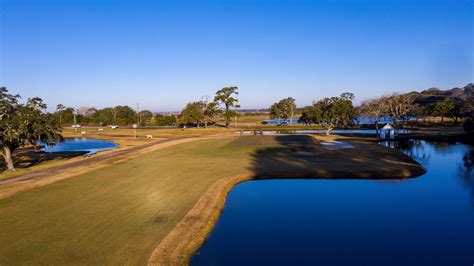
(387, 132)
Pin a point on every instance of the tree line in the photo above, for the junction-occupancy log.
(455, 103)
(197, 113)
(28, 123)
(339, 112)
(23, 124)
(329, 112)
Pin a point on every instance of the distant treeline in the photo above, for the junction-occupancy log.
(27, 123)
(455, 103)
(122, 115)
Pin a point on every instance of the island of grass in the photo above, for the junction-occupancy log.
(160, 207)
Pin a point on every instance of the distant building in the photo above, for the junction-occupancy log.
(387, 132)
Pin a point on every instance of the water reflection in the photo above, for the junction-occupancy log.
(414, 148)
(428, 220)
(465, 171)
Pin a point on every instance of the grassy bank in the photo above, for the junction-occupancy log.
(119, 214)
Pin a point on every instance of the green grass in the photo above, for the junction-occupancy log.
(119, 214)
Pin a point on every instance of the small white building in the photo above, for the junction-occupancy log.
(387, 132)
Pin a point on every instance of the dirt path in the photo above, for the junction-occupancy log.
(28, 181)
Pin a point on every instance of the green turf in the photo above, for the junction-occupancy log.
(114, 215)
(119, 214)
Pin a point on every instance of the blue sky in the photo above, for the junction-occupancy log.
(162, 54)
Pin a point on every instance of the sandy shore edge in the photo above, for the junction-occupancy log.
(192, 231)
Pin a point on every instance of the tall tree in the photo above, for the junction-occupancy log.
(192, 114)
(331, 112)
(306, 116)
(284, 109)
(23, 124)
(374, 109)
(210, 111)
(228, 97)
(124, 115)
(165, 120)
(444, 108)
(145, 115)
(400, 106)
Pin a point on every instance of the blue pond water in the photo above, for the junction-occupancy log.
(359, 120)
(427, 220)
(278, 121)
(318, 131)
(80, 144)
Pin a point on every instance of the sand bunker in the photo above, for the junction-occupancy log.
(333, 144)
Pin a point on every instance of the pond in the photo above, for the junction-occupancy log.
(90, 146)
(358, 120)
(427, 220)
(319, 131)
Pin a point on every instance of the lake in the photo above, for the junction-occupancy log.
(358, 120)
(320, 131)
(91, 146)
(427, 220)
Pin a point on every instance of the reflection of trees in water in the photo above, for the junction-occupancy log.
(415, 149)
(465, 170)
(444, 148)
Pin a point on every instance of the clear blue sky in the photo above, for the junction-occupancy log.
(163, 54)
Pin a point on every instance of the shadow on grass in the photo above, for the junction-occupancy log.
(302, 156)
(28, 157)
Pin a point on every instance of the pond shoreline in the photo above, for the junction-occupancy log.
(184, 240)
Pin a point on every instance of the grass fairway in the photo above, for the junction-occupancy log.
(119, 214)
(114, 215)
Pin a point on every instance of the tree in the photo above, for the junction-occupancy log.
(306, 117)
(284, 109)
(444, 108)
(24, 124)
(331, 112)
(374, 109)
(467, 108)
(123, 115)
(226, 97)
(399, 106)
(165, 120)
(145, 115)
(104, 116)
(192, 114)
(210, 111)
(64, 115)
